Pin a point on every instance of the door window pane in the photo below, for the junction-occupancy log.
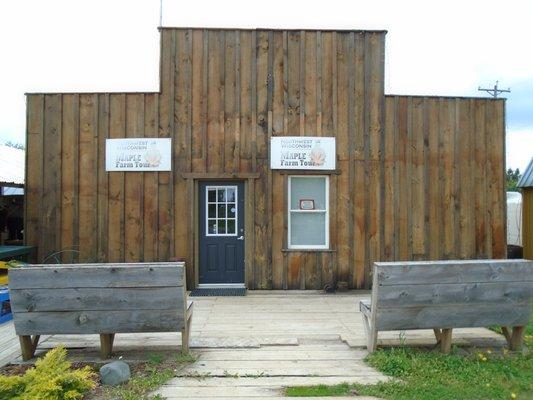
(221, 195)
(212, 211)
(212, 226)
(230, 194)
(230, 227)
(212, 195)
(221, 211)
(231, 210)
(221, 226)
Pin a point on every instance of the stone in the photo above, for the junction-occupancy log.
(115, 373)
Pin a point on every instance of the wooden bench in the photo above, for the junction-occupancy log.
(442, 295)
(102, 299)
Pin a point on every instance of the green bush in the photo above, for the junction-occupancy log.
(51, 379)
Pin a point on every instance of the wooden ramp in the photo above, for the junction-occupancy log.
(264, 372)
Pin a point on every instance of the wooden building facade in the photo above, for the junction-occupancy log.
(526, 186)
(416, 177)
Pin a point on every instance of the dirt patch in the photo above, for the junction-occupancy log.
(20, 369)
(14, 369)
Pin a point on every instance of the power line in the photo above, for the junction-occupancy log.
(494, 92)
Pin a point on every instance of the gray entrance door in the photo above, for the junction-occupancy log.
(221, 230)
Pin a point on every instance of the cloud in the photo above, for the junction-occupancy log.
(519, 148)
(520, 105)
(435, 48)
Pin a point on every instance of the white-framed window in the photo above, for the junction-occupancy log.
(308, 209)
(221, 210)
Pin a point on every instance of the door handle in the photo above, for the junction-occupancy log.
(240, 237)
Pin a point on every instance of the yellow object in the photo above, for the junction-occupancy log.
(3, 273)
(51, 378)
(4, 266)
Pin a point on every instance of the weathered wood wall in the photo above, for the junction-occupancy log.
(223, 94)
(527, 222)
(444, 185)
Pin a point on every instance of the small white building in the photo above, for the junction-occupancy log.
(514, 218)
(11, 170)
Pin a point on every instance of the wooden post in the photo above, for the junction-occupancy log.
(371, 334)
(517, 338)
(106, 345)
(185, 332)
(185, 340)
(438, 334)
(372, 339)
(28, 345)
(446, 340)
(506, 333)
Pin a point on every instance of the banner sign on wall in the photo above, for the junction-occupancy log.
(302, 152)
(142, 154)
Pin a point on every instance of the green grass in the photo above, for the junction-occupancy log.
(141, 384)
(528, 334)
(344, 389)
(430, 375)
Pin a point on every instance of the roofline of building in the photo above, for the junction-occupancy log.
(11, 184)
(83, 93)
(429, 96)
(274, 29)
(526, 181)
(432, 96)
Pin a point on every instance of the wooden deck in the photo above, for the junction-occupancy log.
(253, 346)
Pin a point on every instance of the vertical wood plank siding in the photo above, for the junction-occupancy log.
(527, 222)
(417, 178)
(448, 193)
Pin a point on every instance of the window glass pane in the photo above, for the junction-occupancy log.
(230, 196)
(230, 228)
(308, 188)
(221, 211)
(308, 229)
(221, 226)
(231, 210)
(212, 195)
(212, 211)
(212, 226)
(221, 195)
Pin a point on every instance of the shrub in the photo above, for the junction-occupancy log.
(51, 379)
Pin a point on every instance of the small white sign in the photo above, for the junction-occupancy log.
(302, 152)
(138, 154)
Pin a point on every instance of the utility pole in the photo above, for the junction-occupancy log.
(494, 92)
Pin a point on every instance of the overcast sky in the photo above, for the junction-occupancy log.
(436, 48)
